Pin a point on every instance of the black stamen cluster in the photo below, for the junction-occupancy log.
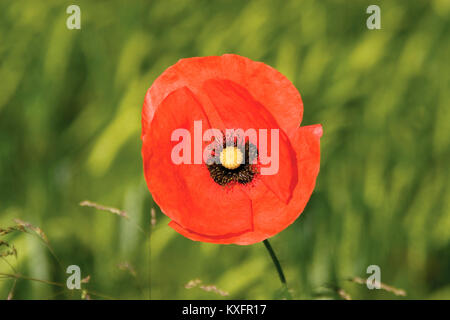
(243, 174)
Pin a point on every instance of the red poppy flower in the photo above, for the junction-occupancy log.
(231, 203)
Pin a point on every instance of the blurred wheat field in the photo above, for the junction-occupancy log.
(70, 103)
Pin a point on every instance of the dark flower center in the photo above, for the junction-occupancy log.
(233, 162)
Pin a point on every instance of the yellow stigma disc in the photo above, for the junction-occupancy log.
(231, 157)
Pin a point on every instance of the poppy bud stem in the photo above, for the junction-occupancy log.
(275, 262)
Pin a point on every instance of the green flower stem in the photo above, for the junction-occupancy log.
(275, 262)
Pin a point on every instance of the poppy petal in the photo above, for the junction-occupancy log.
(270, 215)
(243, 238)
(186, 192)
(263, 82)
(237, 109)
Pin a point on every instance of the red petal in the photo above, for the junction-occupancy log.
(243, 238)
(263, 82)
(237, 109)
(270, 215)
(186, 192)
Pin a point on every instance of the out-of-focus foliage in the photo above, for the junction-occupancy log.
(70, 103)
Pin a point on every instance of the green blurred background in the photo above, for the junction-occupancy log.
(70, 103)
